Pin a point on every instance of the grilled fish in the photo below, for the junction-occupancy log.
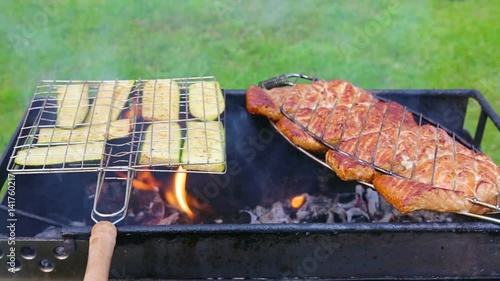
(423, 166)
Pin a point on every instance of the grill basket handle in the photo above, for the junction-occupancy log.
(101, 246)
(118, 215)
(284, 80)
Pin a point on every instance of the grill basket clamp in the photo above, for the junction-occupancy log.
(284, 80)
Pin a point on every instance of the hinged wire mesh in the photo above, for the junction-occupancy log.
(83, 125)
(345, 124)
(392, 147)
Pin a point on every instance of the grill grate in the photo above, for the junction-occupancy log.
(83, 126)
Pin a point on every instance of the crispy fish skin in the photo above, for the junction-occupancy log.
(259, 101)
(407, 195)
(386, 135)
(299, 136)
(72, 105)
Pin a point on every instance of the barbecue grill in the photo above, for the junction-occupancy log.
(261, 168)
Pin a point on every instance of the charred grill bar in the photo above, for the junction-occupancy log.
(262, 168)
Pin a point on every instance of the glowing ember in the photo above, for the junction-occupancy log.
(145, 181)
(298, 201)
(178, 197)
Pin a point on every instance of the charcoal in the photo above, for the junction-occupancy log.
(171, 219)
(335, 217)
(275, 215)
(348, 200)
(111, 198)
(373, 203)
(158, 209)
(364, 205)
(243, 217)
(338, 215)
(253, 217)
(357, 215)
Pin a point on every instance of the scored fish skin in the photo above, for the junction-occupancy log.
(263, 102)
(438, 172)
(299, 136)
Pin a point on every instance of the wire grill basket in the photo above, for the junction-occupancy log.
(291, 108)
(121, 127)
(83, 126)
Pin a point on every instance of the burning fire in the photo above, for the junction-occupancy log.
(298, 201)
(174, 192)
(178, 197)
(146, 181)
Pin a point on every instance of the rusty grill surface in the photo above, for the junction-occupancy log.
(85, 126)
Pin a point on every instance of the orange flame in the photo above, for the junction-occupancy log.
(143, 181)
(298, 201)
(146, 181)
(178, 197)
(175, 193)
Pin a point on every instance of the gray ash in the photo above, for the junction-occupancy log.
(365, 205)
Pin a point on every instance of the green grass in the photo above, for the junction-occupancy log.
(374, 44)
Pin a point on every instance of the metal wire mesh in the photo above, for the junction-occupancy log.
(77, 126)
(392, 145)
(386, 136)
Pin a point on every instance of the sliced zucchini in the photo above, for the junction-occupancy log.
(39, 156)
(205, 100)
(160, 100)
(110, 101)
(72, 105)
(204, 147)
(95, 132)
(161, 145)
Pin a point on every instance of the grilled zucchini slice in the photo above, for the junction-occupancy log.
(72, 105)
(160, 100)
(205, 100)
(161, 145)
(204, 147)
(110, 101)
(53, 155)
(95, 132)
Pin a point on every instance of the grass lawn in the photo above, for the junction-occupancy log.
(374, 44)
